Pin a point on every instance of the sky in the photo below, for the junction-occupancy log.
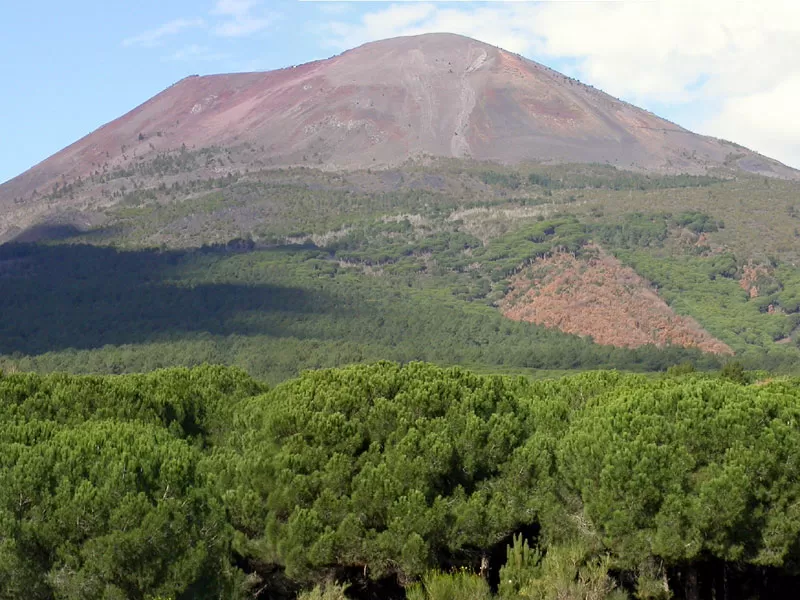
(726, 68)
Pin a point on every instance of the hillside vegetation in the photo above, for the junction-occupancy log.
(398, 481)
(280, 270)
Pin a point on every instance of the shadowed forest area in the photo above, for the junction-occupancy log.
(273, 311)
(82, 296)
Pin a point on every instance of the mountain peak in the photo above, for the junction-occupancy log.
(426, 41)
(385, 102)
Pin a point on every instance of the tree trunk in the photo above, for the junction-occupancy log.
(692, 586)
(725, 581)
(485, 567)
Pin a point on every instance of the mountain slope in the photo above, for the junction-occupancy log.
(381, 104)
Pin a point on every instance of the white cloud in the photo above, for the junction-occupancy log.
(741, 56)
(768, 120)
(154, 37)
(240, 18)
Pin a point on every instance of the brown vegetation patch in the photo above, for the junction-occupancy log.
(753, 277)
(601, 298)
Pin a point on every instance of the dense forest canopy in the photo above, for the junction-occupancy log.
(399, 480)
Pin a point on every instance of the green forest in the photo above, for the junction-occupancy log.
(392, 480)
(278, 271)
(272, 312)
(295, 384)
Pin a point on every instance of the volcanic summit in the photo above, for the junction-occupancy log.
(384, 103)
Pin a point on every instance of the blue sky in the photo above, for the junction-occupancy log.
(69, 67)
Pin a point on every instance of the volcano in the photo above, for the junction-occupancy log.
(382, 104)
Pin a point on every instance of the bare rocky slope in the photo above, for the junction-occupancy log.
(378, 105)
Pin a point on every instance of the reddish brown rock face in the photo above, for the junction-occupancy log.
(383, 103)
(603, 299)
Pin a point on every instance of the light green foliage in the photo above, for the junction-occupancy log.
(191, 404)
(460, 585)
(570, 572)
(382, 467)
(103, 488)
(651, 581)
(108, 510)
(567, 572)
(325, 591)
(156, 485)
(523, 564)
(682, 469)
